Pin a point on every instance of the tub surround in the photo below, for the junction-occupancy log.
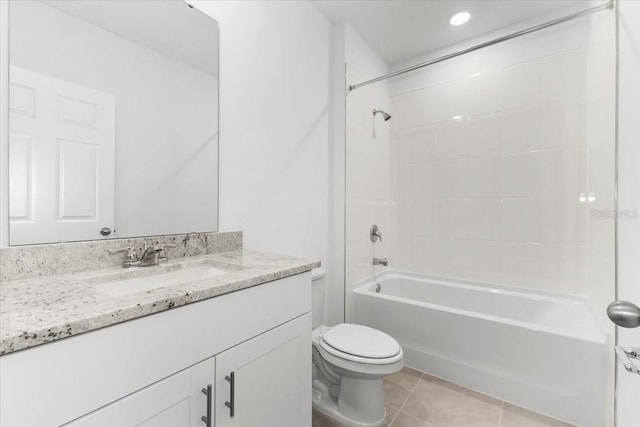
(37, 310)
(23, 262)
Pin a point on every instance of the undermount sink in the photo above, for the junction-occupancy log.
(162, 279)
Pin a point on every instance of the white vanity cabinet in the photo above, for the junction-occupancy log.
(174, 401)
(151, 371)
(266, 381)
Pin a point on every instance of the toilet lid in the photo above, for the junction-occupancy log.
(361, 341)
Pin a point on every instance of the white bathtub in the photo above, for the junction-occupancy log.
(547, 353)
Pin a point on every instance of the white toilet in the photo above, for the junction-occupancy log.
(349, 362)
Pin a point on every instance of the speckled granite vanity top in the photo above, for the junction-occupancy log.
(35, 311)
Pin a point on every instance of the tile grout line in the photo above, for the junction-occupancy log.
(394, 418)
(502, 403)
(408, 396)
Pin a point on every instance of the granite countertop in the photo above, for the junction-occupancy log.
(40, 310)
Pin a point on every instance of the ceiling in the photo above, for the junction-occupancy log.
(403, 29)
(171, 28)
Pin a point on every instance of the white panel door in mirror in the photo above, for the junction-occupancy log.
(68, 132)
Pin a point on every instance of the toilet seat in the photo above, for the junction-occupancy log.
(361, 344)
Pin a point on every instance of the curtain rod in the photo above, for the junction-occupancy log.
(607, 5)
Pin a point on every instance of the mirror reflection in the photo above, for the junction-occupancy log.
(113, 120)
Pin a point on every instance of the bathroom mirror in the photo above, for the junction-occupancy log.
(113, 123)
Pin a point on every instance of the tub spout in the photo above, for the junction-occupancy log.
(381, 261)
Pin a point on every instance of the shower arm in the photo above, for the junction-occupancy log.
(386, 116)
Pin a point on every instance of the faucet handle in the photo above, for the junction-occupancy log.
(130, 258)
(131, 253)
(375, 233)
(163, 246)
(159, 249)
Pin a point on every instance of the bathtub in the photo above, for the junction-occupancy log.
(548, 353)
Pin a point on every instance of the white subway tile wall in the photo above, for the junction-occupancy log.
(495, 173)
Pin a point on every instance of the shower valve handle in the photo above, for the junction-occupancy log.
(375, 233)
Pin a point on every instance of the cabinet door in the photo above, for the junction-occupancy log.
(266, 381)
(176, 401)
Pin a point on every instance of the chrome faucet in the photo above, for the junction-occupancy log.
(381, 261)
(149, 255)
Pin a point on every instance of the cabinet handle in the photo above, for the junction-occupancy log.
(231, 404)
(207, 418)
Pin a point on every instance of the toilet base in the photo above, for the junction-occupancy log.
(347, 391)
(349, 406)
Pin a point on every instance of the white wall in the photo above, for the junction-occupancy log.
(334, 306)
(628, 390)
(166, 117)
(502, 154)
(274, 124)
(275, 146)
(367, 164)
(4, 124)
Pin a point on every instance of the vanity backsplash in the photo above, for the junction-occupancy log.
(23, 262)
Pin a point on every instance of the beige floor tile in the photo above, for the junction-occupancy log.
(514, 416)
(441, 403)
(431, 402)
(406, 378)
(406, 420)
(320, 420)
(398, 386)
(392, 411)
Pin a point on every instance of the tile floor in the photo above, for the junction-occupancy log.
(415, 399)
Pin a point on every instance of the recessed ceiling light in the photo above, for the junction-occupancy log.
(460, 18)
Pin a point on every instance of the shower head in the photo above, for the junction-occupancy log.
(385, 115)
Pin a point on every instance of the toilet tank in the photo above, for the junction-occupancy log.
(318, 292)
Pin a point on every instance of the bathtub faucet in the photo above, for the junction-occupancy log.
(381, 261)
